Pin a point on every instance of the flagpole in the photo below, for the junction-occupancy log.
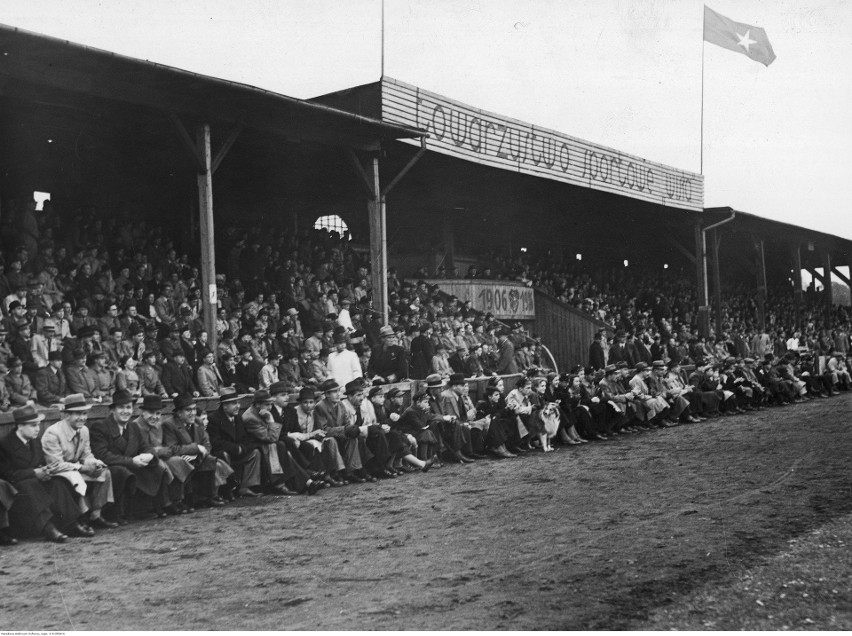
(703, 46)
(383, 38)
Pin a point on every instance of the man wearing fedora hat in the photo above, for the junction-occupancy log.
(677, 386)
(45, 342)
(654, 406)
(280, 472)
(44, 503)
(445, 426)
(232, 444)
(50, 382)
(187, 438)
(178, 469)
(117, 441)
(68, 451)
(389, 361)
(456, 403)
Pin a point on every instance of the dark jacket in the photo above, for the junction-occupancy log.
(177, 378)
(227, 436)
(17, 461)
(114, 449)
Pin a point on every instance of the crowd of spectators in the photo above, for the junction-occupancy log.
(92, 303)
(97, 309)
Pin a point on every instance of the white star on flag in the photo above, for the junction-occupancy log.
(737, 37)
(746, 41)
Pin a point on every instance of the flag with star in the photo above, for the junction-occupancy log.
(749, 40)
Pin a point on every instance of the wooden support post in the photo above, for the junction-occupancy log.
(840, 275)
(797, 284)
(715, 239)
(829, 292)
(208, 253)
(761, 284)
(701, 282)
(378, 241)
(448, 238)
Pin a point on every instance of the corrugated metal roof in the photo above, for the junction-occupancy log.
(35, 59)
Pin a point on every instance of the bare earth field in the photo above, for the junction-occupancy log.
(735, 523)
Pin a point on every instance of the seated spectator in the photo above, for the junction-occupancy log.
(101, 379)
(69, 455)
(126, 379)
(440, 362)
(231, 443)
(50, 384)
(149, 376)
(209, 379)
(18, 385)
(47, 503)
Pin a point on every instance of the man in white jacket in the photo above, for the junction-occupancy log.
(343, 362)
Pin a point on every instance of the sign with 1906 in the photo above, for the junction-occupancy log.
(507, 301)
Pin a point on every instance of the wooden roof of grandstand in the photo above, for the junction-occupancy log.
(31, 62)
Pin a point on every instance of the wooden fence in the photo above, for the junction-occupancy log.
(565, 330)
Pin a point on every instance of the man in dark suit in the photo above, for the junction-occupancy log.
(389, 360)
(43, 502)
(506, 364)
(118, 442)
(597, 356)
(444, 425)
(177, 376)
(7, 498)
(232, 444)
(50, 382)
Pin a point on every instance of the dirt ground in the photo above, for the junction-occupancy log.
(640, 532)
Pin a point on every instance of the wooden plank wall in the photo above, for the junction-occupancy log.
(565, 330)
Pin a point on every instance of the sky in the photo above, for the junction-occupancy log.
(622, 73)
